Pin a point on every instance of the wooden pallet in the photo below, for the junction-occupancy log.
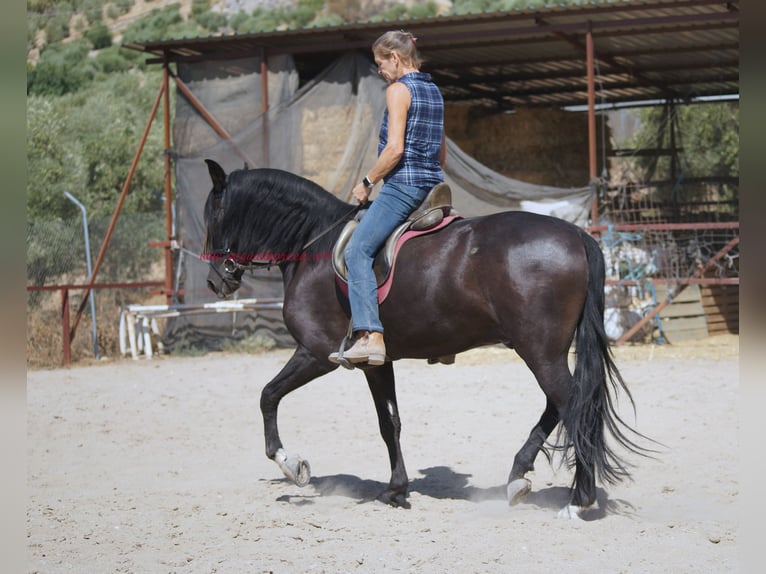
(684, 319)
(699, 311)
(721, 305)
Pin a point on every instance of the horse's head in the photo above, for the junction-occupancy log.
(224, 276)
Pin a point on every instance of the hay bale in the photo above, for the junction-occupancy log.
(325, 132)
(537, 145)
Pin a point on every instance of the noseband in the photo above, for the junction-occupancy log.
(231, 264)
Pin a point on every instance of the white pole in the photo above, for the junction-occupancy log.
(87, 262)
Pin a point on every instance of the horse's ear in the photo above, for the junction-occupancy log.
(217, 175)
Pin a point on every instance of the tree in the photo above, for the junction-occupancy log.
(707, 137)
(62, 69)
(99, 36)
(53, 161)
(85, 142)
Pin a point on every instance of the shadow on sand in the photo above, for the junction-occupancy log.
(442, 482)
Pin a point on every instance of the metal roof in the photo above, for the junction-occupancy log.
(644, 50)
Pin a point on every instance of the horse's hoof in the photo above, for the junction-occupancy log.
(395, 499)
(294, 468)
(571, 511)
(301, 471)
(518, 489)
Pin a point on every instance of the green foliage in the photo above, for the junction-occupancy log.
(423, 10)
(85, 143)
(258, 21)
(303, 13)
(56, 29)
(708, 137)
(51, 246)
(711, 138)
(34, 23)
(401, 12)
(56, 248)
(479, 6)
(112, 60)
(199, 7)
(186, 349)
(211, 21)
(39, 6)
(340, 11)
(471, 6)
(62, 69)
(162, 24)
(112, 11)
(99, 36)
(53, 163)
(328, 20)
(93, 9)
(129, 253)
(708, 134)
(154, 26)
(123, 6)
(394, 12)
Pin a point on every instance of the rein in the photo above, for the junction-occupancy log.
(333, 226)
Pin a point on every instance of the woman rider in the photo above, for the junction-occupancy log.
(411, 154)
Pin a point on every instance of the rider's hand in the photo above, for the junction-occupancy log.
(361, 192)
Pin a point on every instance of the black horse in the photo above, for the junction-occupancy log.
(531, 282)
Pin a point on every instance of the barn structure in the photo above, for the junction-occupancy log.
(309, 101)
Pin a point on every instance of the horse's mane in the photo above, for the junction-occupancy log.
(271, 209)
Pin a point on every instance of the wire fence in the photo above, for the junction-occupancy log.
(56, 256)
(658, 241)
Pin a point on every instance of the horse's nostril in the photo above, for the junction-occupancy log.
(211, 286)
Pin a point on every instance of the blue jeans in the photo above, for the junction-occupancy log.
(394, 203)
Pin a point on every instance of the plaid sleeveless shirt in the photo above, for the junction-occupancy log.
(419, 165)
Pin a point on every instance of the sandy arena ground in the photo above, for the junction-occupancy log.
(158, 467)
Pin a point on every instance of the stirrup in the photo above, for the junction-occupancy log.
(343, 361)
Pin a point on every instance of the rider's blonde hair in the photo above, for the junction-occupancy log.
(400, 42)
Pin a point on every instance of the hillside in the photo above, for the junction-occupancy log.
(78, 23)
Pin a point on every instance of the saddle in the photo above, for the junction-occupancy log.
(435, 207)
(436, 211)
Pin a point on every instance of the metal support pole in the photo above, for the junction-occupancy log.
(86, 234)
(265, 105)
(593, 170)
(168, 189)
(208, 117)
(66, 357)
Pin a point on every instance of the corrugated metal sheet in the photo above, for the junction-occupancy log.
(671, 49)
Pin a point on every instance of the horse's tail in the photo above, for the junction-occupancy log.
(591, 417)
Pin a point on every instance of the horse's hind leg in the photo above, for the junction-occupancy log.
(382, 386)
(524, 461)
(555, 380)
(302, 368)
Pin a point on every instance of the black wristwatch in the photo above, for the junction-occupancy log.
(367, 183)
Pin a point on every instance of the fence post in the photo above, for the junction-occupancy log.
(67, 343)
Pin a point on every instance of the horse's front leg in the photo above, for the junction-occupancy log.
(381, 382)
(302, 368)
